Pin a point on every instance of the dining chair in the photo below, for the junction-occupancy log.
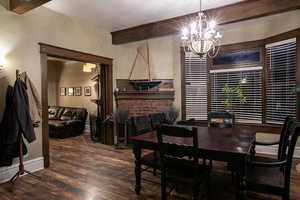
(274, 177)
(142, 125)
(176, 168)
(282, 143)
(157, 119)
(220, 119)
(282, 147)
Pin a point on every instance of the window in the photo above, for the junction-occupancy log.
(249, 79)
(195, 69)
(239, 57)
(281, 66)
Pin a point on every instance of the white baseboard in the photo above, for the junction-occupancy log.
(272, 150)
(6, 173)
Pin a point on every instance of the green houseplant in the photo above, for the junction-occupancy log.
(120, 118)
(232, 93)
(172, 114)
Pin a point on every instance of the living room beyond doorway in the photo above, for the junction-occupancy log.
(77, 89)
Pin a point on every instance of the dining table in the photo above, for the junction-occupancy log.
(232, 145)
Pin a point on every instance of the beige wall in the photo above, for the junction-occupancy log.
(71, 75)
(19, 38)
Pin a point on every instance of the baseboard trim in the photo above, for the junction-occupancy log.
(6, 173)
(272, 150)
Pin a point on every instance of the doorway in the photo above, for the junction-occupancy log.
(107, 88)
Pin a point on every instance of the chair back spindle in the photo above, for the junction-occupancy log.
(170, 149)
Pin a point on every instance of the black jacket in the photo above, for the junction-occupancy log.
(16, 122)
(23, 123)
(9, 150)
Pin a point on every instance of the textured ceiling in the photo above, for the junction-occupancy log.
(120, 14)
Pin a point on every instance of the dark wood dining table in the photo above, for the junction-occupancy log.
(232, 145)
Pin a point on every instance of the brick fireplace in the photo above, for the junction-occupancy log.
(144, 102)
(139, 107)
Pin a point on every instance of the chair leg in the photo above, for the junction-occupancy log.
(163, 185)
(208, 187)
(154, 172)
(286, 196)
(211, 163)
(196, 192)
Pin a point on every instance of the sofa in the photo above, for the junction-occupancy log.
(66, 122)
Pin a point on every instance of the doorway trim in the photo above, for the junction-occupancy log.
(47, 50)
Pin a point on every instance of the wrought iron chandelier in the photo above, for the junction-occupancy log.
(201, 37)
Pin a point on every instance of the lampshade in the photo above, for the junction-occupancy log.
(88, 67)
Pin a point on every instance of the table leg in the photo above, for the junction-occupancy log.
(252, 151)
(241, 181)
(137, 152)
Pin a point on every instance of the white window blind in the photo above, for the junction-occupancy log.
(195, 87)
(249, 78)
(281, 62)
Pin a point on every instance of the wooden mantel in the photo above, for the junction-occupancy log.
(245, 10)
(164, 91)
(146, 95)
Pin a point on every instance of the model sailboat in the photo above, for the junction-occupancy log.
(141, 75)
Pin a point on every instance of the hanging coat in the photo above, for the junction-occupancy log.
(35, 105)
(24, 123)
(8, 151)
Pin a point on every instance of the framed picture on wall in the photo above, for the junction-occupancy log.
(87, 91)
(78, 91)
(70, 91)
(62, 91)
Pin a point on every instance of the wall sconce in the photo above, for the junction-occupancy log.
(1, 63)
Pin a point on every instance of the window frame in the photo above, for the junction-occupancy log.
(272, 128)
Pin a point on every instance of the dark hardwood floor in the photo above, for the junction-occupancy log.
(83, 170)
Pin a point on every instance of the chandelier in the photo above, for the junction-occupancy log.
(201, 37)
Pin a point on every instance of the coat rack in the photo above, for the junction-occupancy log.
(22, 170)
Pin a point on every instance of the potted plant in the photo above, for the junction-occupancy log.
(172, 114)
(232, 93)
(121, 117)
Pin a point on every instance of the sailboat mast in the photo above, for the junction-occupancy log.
(132, 68)
(148, 59)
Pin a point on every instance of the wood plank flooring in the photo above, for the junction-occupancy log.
(83, 170)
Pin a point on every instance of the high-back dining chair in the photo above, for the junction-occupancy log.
(274, 177)
(157, 119)
(282, 143)
(142, 125)
(175, 167)
(220, 119)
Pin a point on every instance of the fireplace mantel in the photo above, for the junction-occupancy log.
(146, 95)
(143, 102)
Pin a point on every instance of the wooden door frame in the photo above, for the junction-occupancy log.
(47, 50)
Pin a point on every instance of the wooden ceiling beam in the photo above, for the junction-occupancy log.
(23, 6)
(228, 14)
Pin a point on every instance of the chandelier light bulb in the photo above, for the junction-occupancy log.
(193, 28)
(212, 24)
(185, 32)
(207, 35)
(218, 36)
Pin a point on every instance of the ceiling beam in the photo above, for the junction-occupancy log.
(228, 14)
(23, 6)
